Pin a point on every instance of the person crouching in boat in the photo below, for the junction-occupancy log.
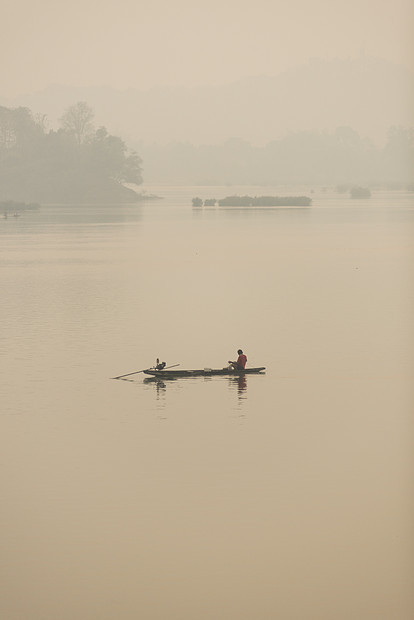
(241, 361)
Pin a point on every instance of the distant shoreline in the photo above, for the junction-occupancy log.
(13, 205)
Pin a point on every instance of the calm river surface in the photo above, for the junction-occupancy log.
(285, 496)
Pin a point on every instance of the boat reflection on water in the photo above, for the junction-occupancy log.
(157, 381)
(160, 394)
(240, 383)
(159, 384)
(236, 384)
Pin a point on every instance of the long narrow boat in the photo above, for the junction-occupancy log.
(204, 372)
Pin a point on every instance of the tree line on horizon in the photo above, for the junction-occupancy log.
(83, 164)
(76, 163)
(338, 158)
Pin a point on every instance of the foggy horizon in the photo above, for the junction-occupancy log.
(156, 44)
(317, 96)
(159, 73)
(361, 57)
(179, 180)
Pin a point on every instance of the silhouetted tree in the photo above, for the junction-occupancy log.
(77, 121)
(108, 154)
(71, 164)
(18, 128)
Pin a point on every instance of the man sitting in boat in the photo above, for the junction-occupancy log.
(241, 361)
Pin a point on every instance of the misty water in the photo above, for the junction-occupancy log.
(287, 495)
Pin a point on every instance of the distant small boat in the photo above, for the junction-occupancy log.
(203, 372)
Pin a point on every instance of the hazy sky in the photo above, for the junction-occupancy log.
(142, 43)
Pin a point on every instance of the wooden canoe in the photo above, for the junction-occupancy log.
(204, 372)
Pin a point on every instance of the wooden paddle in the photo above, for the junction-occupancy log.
(138, 371)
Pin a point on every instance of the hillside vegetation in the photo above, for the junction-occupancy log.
(77, 163)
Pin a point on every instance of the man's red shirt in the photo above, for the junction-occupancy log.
(241, 361)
